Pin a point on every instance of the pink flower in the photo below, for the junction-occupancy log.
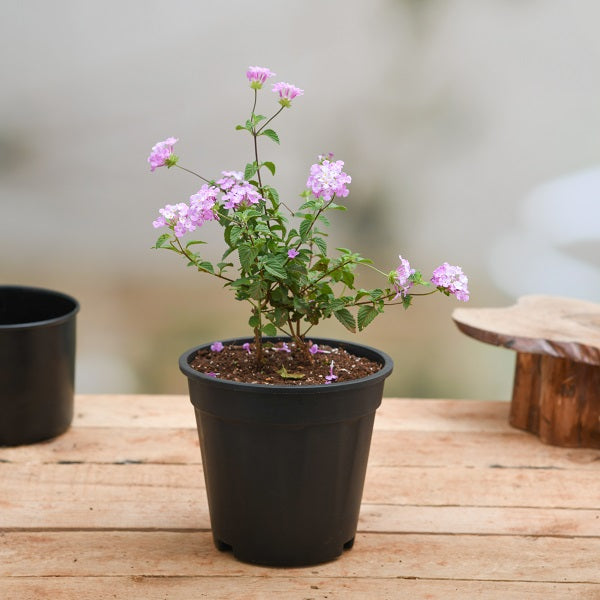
(314, 349)
(229, 179)
(212, 374)
(287, 92)
(202, 206)
(162, 154)
(327, 179)
(283, 348)
(292, 253)
(246, 347)
(331, 377)
(217, 347)
(402, 282)
(183, 218)
(257, 76)
(451, 280)
(241, 194)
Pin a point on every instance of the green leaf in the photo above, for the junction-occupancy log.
(344, 316)
(234, 235)
(258, 290)
(365, 315)
(250, 170)
(320, 242)
(194, 242)
(280, 316)
(285, 375)
(238, 127)
(269, 329)
(305, 226)
(205, 266)
(270, 166)
(270, 134)
(160, 242)
(273, 194)
(254, 321)
(247, 255)
(348, 278)
(274, 266)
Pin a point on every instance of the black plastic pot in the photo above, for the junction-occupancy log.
(285, 466)
(37, 364)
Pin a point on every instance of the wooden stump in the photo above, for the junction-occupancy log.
(556, 391)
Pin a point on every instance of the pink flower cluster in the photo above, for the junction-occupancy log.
(237, 191)
(187, 217)
(287, 92)
(257, 76)
(452, 280)
(327, 179)
(162, 153)
(402, 283)
(184, 218)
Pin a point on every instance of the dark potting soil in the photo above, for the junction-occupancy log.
(235, 363)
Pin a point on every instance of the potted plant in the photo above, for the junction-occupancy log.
(285, 419)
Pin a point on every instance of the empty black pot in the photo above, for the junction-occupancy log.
(285, 466)
(37, 364)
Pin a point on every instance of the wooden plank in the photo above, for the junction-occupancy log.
(115, 410)
(168, 554)
(394, 414)
(397, 414)
(389, 448)
(482, 487)
(284, 588)
(102, 445)
(173, 497)
(485, 520)
(475, 449)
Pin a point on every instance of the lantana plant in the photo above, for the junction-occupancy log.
(276, 254)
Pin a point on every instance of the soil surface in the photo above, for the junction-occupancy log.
(284, 364)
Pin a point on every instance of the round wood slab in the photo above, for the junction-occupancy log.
(560, 327)
(556, 391)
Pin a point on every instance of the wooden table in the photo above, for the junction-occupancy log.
(457, 505)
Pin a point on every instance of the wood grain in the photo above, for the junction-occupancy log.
(457, 504)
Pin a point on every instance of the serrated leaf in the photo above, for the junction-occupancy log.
(271, 135)
(274, 194)
(160, 242)
(247, 254)
(234, 235)
(269, 329)
(275, 268)
(320, 242)
(250, 171)
(344, 316)
(305, 226)
(254, 321)
(258, 290)
(205, 266)
(270, 166)
(365, 315)
(285, 375)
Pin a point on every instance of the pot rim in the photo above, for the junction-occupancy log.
(277, 388)
(41, 292)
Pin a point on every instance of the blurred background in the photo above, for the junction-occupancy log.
(470, 129)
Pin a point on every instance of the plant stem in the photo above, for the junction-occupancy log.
(192, 172)
(265, 124)
(192, 259)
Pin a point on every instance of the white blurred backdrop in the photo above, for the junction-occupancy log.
(471, 131)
